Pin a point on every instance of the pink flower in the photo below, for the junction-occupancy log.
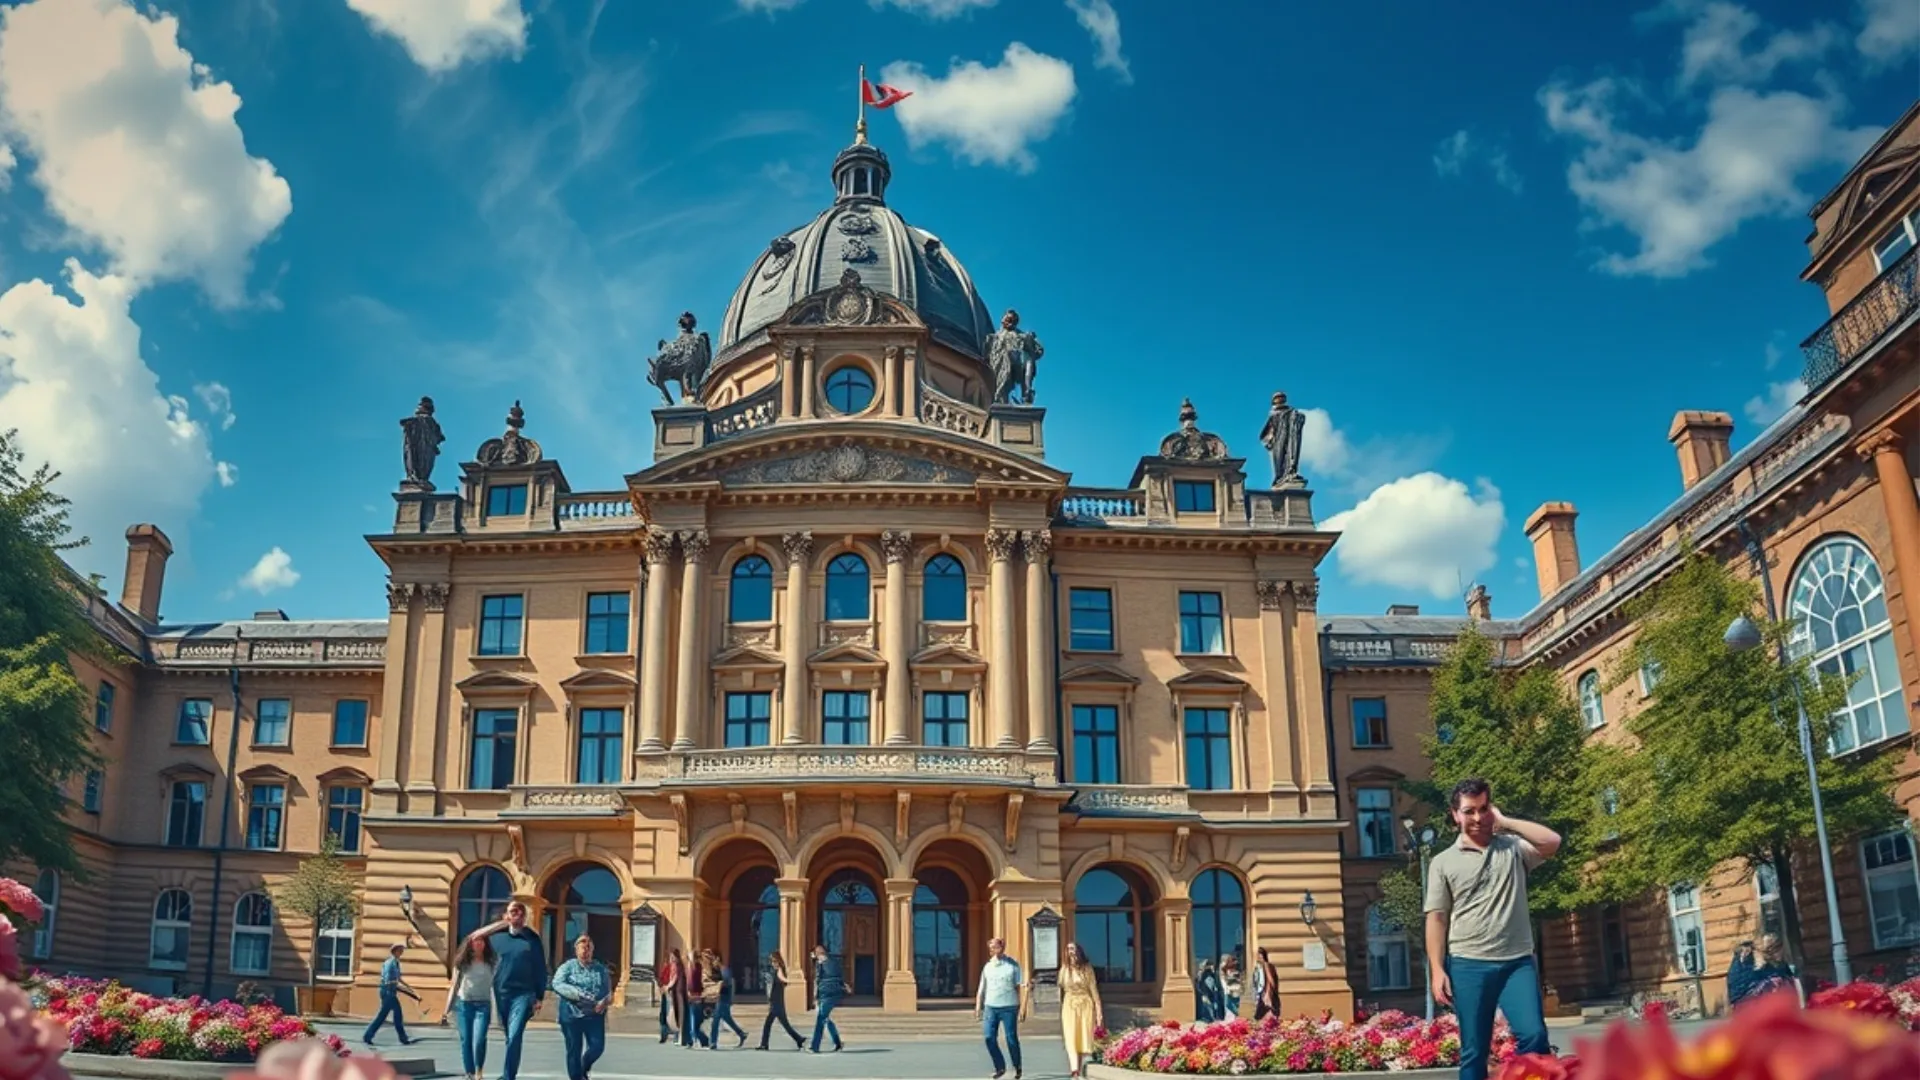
(20, 900)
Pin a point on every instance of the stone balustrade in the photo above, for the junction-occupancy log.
(271, 652)
(1084, 505)
(596, 508)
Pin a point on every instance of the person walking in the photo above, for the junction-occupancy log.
(1001, 1003)
(1207, 993)
(829, 986)
(777, 1002)
(1479, 938)
(585, 988)
(723, 1009)
(673, 996)
(1755, 973)
(391, 987)
(470, 1003)
(694, 1031)
(1266, 987)
(519, 978)
(1230, 984)
(1080, 1009)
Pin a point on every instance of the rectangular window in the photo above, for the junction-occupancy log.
(1610, 806)
(607, 622)
(1376, 821)
(1096, 744)
(1893, 889)
(103, 707)
(1202, 629)
(195, 722)
(1689, 929)
(1389, 966)
(1897, 242)
(349, 722)
(90, 795)
(1209, 750)
(500, 625)
(1193, 496)
(943, 719)
(272, 722)
(265, 805)
(747, 719)
(1766, 892)
(186, 813)
(343, 816)
(335, 959)
(491, 764)
(600, 731)
(1370, 721)
(506, 499)
(1090, 620)
(845, 713)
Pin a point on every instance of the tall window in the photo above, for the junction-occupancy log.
(1096, 744)
(1897, 242)
(845, 715)
(186, 813)
(1090, 620)
(1592, 709)
(103, 706)
(483, 897)
(272, 723)
(1370, 721)
(266, 803)
(507, 499)
(1766, 894)
(1113, 920)
(1193, 496)
(943, 718)
(1209, 750)
(335, 948)
(252, 950)
(194, 722)
(750, 598)
(500, 625)
(1649, 677)
(847, 592)
(747, 719)
(849, 388)
(47, 888)
(1610, 807)
(491, 764)
(1219, 916)
(344, 805)
(944, 590)
(1389, 961)
(349, 722)
(1201, 627)
(1839, 608)
(172, 925)
(607, 622)
(1893, 889)
(90, 794)
(1376, 821)
(1689, 929)
(599, 761)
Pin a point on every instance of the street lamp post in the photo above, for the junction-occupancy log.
(1741, 636)
(1422, 841)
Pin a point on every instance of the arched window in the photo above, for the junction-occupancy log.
(172, 925)
(939, 933)
(944, 598)
(750, 598)
(47, 888)
(1113, 920)
(1219, 917)
(483, 898)
(847, 592)
(1389, 963)
(1839, 609)
(252, 951)
(584, 899)
(754, 912)
(1591, 708)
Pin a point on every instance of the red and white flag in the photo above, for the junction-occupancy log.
(882, 96)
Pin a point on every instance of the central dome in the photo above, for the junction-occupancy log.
(860, 232)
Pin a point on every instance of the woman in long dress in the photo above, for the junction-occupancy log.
(1266, 987)
(1080, 1010)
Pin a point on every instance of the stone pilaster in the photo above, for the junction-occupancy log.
(429, 712)
(1038, 544)
(690, 681)
(1316, 757)
(653, 648)
(1003, 679)
(897, 546)
(793, 937)
(1283, 707)
(793, 698)
(1889, 459)
(394, 706)
(900, 992)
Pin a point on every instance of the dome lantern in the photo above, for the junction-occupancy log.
(861, 173)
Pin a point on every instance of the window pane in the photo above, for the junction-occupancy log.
(847, 592)
(1193, 496)
(944, 595)
(1201, 627)
(846, 715)
(1096, 744)
(196, 716)
(1209, 750)
(349, 723)
(493, 749)
(945, 719)
(750, 598)
(270, 721)
(599, 754)
(186, 812)
(747, 719)
(1090, 618)
(509, 499)
(265, 803)
(103, 707)
(607, 622)
(343, 816)
(500, 625)
(1369, 721)
(849, 388)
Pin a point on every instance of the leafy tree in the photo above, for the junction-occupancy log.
(1718, 775)
(42, 725)
(323, 891)
(1401, 899)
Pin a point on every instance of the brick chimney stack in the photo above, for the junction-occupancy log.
(147, 552)
(1479, 604)
(1703, 441)
(1556, 554)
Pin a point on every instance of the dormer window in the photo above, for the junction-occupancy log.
(506, 500)
(1899, 240)
(1193, 496)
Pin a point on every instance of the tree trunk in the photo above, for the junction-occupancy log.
(1795, 941)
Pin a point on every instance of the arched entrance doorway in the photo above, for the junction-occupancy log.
(584, 898)
(753, 927)
(1114, 920)
(850, 927)
(951, 878)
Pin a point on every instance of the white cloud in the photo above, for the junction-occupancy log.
(72, 380)
(219, 401)
(1098, 18)
(273, 571)
(1461, 149)
(7, 162)
(933, 9)
(990, 115)
(1764, 409)
(1425, 531)
(135, 144)
(1324, 450)
(1331, 459)
(228, 472)
(441, 35)
(1889, 31)
(1714, 46)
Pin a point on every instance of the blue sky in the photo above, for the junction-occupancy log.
(240, 237)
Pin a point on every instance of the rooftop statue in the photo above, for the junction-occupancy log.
(1013, 354)
(1281, 437)
(683, 360)
(511, 448)
(420, 446)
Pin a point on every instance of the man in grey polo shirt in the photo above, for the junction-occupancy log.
(1479, 939)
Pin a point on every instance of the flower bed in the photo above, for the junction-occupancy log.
(1900, 1003)
(1389, 1041)
(104, 1017)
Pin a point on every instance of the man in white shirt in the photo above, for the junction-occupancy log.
(1002, 1001)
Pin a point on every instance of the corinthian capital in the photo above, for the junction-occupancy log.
(693, 544)
(1306, 594)
(1886, 440)
(659, 545)
(434, 595)
(1037, 542)
(399, 593)
(799, 546)
(1270, 592)
(896, 545)
(1000, 544)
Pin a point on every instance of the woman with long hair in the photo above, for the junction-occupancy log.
(1080, 1009)
(470, 1002)
(1266, 987)
(673, 996)
(777, 1001)
(1229, 985)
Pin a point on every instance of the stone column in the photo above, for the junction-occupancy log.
(394, 706)
(1316, 757)
(423, 729)
(1282, 706)
(1003, 678)
(1903, 520)
(1038, 544)
(900, 993)
(653, 647)
(691, 680)
(897, 546)
(1176, 995)
(793, 937)
(793, 698)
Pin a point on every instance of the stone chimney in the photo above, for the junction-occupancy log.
(1556, 555)
(1403, 609)
(1703, 441)
(1479, 604)
(147, 552)
(270, 615)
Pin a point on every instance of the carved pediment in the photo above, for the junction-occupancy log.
(848, 463)
(948, 656)
(1207, 682)
(850, 303)
(1098, 675)
(1376, 774)
(746, 658)
(1888, 172)
(597, 679)
(186, 770)
(495, 682)
(344, 774)
(846, 655)
(271, 774)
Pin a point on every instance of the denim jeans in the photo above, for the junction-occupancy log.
(389, 1010)
(695, 1029)
(1008, 1017)
(586, 1039)
(1481, 986)
(515, 1010)
(823, 1022)
(668, 1016)
(471, 1018)
(722, 1014)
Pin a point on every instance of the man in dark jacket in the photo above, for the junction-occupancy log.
(828, 988)
(519, 978)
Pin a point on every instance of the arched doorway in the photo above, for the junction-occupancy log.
(940, 933)
(753, 928)
(584, 898)
(1115, 922)
(850, 927)
(1219, 917)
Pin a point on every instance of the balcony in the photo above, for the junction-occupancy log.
(1100, 506)
(596, 510)
(924, 764)
(1881, 307)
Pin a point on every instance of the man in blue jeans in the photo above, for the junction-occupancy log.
(1479, 939)
(829, 986)
(391, 987)
(519, 978)
(1000, 1003)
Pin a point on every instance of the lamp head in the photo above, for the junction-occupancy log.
(406, 900)
(1741, 635)
(1308, 908)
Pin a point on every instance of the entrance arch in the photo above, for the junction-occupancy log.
(951, 878)
(849, 913)
(743, 920)
(584, 898)
(1115, 921)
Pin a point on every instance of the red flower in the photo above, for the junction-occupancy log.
(1865, 997)
(147, 1048)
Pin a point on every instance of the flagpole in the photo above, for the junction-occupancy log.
(860, 126)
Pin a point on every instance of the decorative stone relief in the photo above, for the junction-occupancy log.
(897, 545)
(780, 255)
(1306, 594)
(846, 464)
(1270, 593)
(790, 809)
(851, 303)
(679, 804)
(1180, 836)
(1000, 544)
(846, 811)
(956, 634)
(693, 544)
(857, 222)
(1015, 801)
(956, 812)
(856, 250)
(517, 838)
(1189, 443)
(798, 545)
(1037, 542)
(1121, 799)
(749, 637)
(902, 814)
(434, 595)
(659, 546)
(573, 799)
(737, 811)
(399, 593)
(511, 448)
